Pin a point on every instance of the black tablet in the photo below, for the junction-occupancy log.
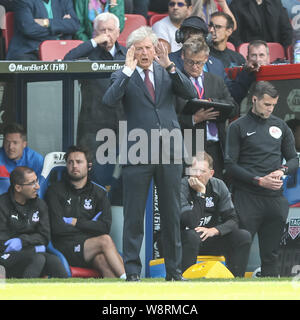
(194, 105)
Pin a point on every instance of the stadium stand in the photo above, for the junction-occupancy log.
(132, 22)
(156, 17)
(8, 32)
(51, 50)
(231, 46)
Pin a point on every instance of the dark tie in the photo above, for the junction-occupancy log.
(149, 84)
(212, 127)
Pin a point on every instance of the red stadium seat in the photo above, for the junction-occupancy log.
(276, 50)
(290, 53)
(132, 22)
(156, 17)
(8, 32)
(51, 50)
(230, 46)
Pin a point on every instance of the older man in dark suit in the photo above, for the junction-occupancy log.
(147, 86)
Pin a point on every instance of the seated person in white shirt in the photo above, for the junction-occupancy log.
(165, 29)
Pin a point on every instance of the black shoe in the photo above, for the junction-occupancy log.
(133, 277)
(176, 277)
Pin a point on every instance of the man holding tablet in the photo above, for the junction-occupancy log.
(210, 88)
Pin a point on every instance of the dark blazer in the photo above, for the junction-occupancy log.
(215, 90)
(140, 110)
(216, 67)
(86, 51)
(28, 34)
(249, 23)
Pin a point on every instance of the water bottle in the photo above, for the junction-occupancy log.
(297, 52)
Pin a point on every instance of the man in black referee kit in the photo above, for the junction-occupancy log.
(255, 146)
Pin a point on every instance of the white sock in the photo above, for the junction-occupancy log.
(123, 276)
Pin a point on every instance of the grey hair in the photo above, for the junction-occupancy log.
(105, 16)
(140, 34)
(195, 44)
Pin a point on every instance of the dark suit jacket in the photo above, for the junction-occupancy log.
(86, 51)
(28, 34)
(93, 114)
(237, 89)
(249, 23)
(140, 110)
(215, 90)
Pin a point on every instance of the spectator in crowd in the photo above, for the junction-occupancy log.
(15, 151)
(209, 224)
(80, 216)
(194, 25)
(88, 10)
(255, 146)
(294, 125)
(137, 7)
(25, 230)
(147, 85)
(261, 19)
(166, 28)
(103, 45)
(210, 87)
(221, 27)
(258, 55)
(93, 114)
(39, 20)
(205, 8)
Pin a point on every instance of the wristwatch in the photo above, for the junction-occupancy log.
(257, 180)
(200, 195)
(170, 66)
(46, 23)
(284, 170)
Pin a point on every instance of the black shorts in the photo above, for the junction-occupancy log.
(73, 251)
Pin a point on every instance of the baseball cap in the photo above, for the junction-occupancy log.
(195, 22)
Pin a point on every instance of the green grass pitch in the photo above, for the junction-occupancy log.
(150, 289)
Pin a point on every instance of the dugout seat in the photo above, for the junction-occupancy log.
(8, 28)
(291, 188)
(230, 46)
(51, 50)
(4, 184)
(156, 17)
(132, 22)
(53, 170)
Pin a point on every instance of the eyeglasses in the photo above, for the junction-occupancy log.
(216, 26)
(191, 63)
(179, 4)
(32, 183)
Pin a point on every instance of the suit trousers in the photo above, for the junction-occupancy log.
(265, 216)
(136, 182)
